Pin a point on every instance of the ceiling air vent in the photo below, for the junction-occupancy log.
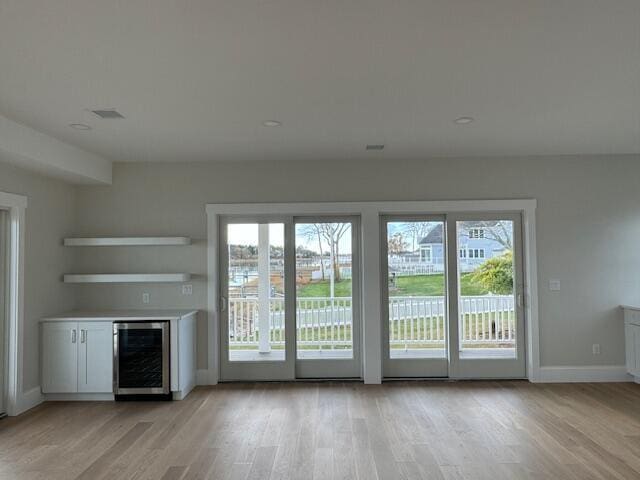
(109, 113)
(375, 147)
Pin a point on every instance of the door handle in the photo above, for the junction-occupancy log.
(223, 303)
(83, 335)
(73, 336)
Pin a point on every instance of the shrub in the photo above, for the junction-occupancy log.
(496, 274)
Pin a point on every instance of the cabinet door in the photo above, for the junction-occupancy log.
(635, 339)
(95, 360)
(60, 357)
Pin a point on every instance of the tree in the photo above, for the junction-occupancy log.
(303, 252)
(416, 231)
(276, 251)
(496, 274)
(332, 233)
(243, 252)
(313, 232)
(498, 231)
(396, 244)
(328, 234)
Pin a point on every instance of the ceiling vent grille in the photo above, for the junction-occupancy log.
(375, 147)
(108, 113)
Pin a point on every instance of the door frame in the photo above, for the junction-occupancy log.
(17, 401)
(370, 213)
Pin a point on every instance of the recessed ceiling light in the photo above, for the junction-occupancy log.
(463, 120)
(80, 126)
(272, 123)
(374, 147)
(108, 113)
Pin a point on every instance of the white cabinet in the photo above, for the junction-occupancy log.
(77, 352)
(632, 347)
(60, 357)
(77, 357)
(632, 341)
(95, 357)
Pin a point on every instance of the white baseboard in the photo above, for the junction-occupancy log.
(27, 400)
(182, 394)
(583, 374)
(568, 374)
(78, 397)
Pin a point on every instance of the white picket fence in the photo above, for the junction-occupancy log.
(413, 321)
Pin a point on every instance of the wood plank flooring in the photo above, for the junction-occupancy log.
(338, 430)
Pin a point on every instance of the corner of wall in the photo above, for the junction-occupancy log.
(28, 400)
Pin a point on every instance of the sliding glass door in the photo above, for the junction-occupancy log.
(486, 307)
(290, 298)
(327, 293)
(257, 311)
(415, 297)
(453, 296)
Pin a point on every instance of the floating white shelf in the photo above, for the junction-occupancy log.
(125, 241)
(127, 278)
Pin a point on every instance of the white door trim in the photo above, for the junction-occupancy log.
(17, 400)
(370, 213)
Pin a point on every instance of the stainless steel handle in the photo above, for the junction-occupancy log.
(223, 303)
(73, 336)
(520, 299)
(83, 335)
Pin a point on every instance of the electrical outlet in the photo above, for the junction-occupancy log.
(145, 297)
(596, 349)
(187, 289)
(554, 285)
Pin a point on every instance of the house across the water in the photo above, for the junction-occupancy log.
(476, 245)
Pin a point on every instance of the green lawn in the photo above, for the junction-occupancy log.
(415, 285)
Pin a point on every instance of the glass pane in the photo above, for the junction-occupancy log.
(486, 302)
(416, 286)
(256, 291)
(324, 315)
(140, 358)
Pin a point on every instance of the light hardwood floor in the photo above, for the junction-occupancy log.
(341, 430)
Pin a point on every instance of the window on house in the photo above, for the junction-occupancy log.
(463, 253)
(473, 253)
(476, 233)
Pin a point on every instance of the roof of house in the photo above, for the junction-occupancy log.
(434, 236)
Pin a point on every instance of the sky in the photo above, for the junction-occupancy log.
(247, 234)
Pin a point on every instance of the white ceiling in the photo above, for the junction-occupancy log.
(195, 79)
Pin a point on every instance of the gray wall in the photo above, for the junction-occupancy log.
(588, 228)
(588, 231)
(50, 216)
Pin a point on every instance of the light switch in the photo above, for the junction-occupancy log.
(554, 285)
